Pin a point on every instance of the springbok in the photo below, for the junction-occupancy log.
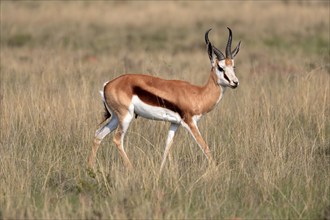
(178, 102)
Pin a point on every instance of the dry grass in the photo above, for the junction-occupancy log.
(270, 137)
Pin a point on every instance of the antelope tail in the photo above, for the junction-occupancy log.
(106, 114)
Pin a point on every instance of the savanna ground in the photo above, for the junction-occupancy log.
(269, 137)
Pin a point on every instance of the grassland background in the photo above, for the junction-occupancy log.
(270, 137)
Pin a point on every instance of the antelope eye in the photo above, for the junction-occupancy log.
(220, 69)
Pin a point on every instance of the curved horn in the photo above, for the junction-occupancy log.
(235, 51)
(207, 36)
(228, 47)
(217, 52)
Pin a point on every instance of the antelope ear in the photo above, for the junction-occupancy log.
(211, 54)
(235, 51)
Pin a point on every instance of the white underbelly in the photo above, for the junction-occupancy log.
(154, 112)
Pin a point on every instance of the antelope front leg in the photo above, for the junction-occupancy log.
(168, 145)
(193, 130)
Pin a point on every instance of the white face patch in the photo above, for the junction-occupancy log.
(153, 112)
(226, 74)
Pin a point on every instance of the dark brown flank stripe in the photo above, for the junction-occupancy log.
(154, 100)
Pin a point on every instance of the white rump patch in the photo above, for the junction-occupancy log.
(154, 112)
(102, 95)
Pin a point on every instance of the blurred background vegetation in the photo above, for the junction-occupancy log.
(270, 136)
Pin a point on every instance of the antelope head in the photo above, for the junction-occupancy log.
(224, 66)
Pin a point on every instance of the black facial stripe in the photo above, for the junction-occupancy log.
(226, 77)
(224, 74)
(220, 69)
